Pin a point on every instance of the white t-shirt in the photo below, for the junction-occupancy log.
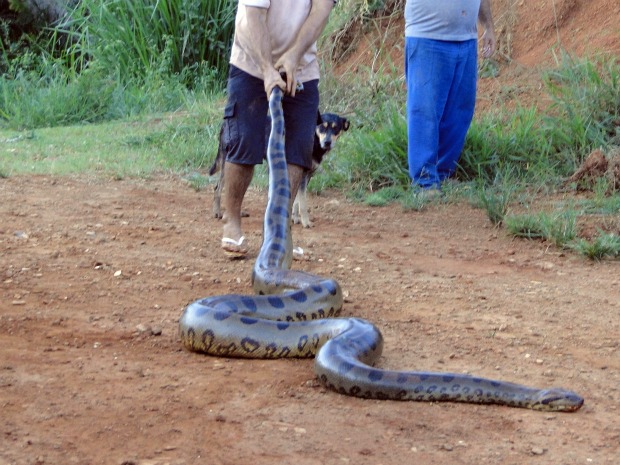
(284, 20)
(442, 19)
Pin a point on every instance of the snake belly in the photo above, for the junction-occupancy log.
(293, 314)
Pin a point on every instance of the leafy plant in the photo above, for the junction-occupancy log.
(559, 228)
(603, 245)
(190, 38)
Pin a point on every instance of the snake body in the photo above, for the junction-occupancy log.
(291, 317)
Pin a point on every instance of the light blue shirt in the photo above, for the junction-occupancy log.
(442, 19)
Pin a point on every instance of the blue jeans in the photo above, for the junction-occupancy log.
(246, 122)
(441, 95)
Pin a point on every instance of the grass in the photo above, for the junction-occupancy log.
(173, 142)
(602, 246)
(91, 109)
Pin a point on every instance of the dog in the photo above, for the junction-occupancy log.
(328, 129)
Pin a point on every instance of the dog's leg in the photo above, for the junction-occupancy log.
(300, 206)
(217, 195)
(218, 165)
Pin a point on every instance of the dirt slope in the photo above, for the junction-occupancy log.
(532, 35)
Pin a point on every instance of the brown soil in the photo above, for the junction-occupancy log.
(94, 275)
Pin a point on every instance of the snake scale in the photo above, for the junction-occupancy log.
(291, 317)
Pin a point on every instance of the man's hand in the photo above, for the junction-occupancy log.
(488, 43)
(287, 65)
(273, 79)
(488, 39)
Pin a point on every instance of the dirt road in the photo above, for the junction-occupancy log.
(95, 273)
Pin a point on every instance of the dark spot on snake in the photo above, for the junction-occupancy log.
(402, 378)
(301, 316)
(231, 306)
(424, 377)
(419, 388)
(431, 389)
(221, 316)
(280, 212)
(249, 303)
(279, 232)
(355, 390)
(284, 192)
(400, 395)
(207, 338)
(331, 286)
(275, 302)
(466, 390)
(278, 248)
(285, 352)
(299, 296)
(301, 344)
(248, 321)
(456, 387)
(448, 379)
(477, 380)
(317, 288)
(271, 348)
(496, 384)
(375, 375)
(345, 367)
(382, 396)
(249, 345)
(282, 326)
(478, 392)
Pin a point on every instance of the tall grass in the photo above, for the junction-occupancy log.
(190, 38)
(586, 108)
(550, 144)
(117, 58)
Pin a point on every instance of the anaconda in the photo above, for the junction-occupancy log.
(292, 316)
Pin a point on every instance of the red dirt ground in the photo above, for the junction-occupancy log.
(95, 273)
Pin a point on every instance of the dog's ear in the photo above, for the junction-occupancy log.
(345, 124)
(319, 118)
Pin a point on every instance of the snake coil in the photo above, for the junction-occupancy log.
(291, 317)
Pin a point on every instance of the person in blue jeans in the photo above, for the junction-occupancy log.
(441, 54)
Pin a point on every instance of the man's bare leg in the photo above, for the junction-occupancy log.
(237, 179)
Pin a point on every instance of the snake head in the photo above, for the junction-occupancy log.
(557, 400)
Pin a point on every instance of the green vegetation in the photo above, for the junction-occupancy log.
(121, 89)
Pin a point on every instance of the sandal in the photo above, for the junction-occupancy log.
(233, 248)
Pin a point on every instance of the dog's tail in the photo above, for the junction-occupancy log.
(215, 167)
(220, 156)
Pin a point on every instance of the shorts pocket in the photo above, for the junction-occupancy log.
(231, 129)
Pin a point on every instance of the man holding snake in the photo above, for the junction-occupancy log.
(273, 38)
